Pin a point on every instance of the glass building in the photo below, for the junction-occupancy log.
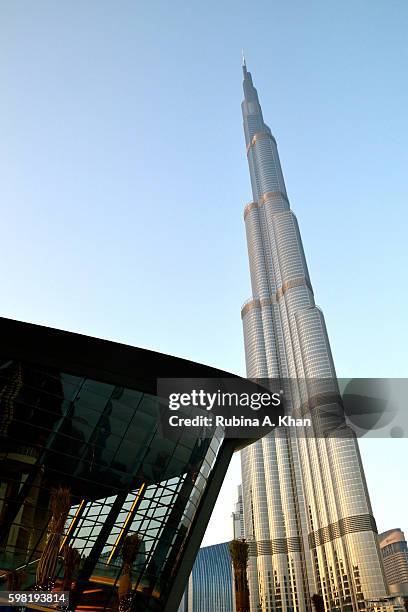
(82, 416)
(307, 513)
(238, 517)
(210, 587)
(394, 550)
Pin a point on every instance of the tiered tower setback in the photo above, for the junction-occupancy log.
(308, 517)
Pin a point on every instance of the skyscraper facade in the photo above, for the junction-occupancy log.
(238, 517)
(307, 513)
(211, 586)
(394, 550)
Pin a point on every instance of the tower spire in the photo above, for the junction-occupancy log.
(243, 63)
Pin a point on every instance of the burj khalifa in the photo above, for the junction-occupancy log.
(307, 513)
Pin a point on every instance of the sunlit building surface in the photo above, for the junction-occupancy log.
(391, 603)
(395, 557)
(238, 517)
(210, 586)
(81, 415)
(308, 517)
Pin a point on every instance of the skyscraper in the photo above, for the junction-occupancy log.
(307, 512)
(238, 517)
(394, 551)
(210, 587)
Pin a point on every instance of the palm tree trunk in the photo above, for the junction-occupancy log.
(60, 506)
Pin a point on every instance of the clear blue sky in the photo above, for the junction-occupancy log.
(123, 177)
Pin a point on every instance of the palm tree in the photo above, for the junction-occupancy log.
(60, 506)
(239, 555)
(72, 559)
(15, 580)
(318, 602)
(129, 552)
